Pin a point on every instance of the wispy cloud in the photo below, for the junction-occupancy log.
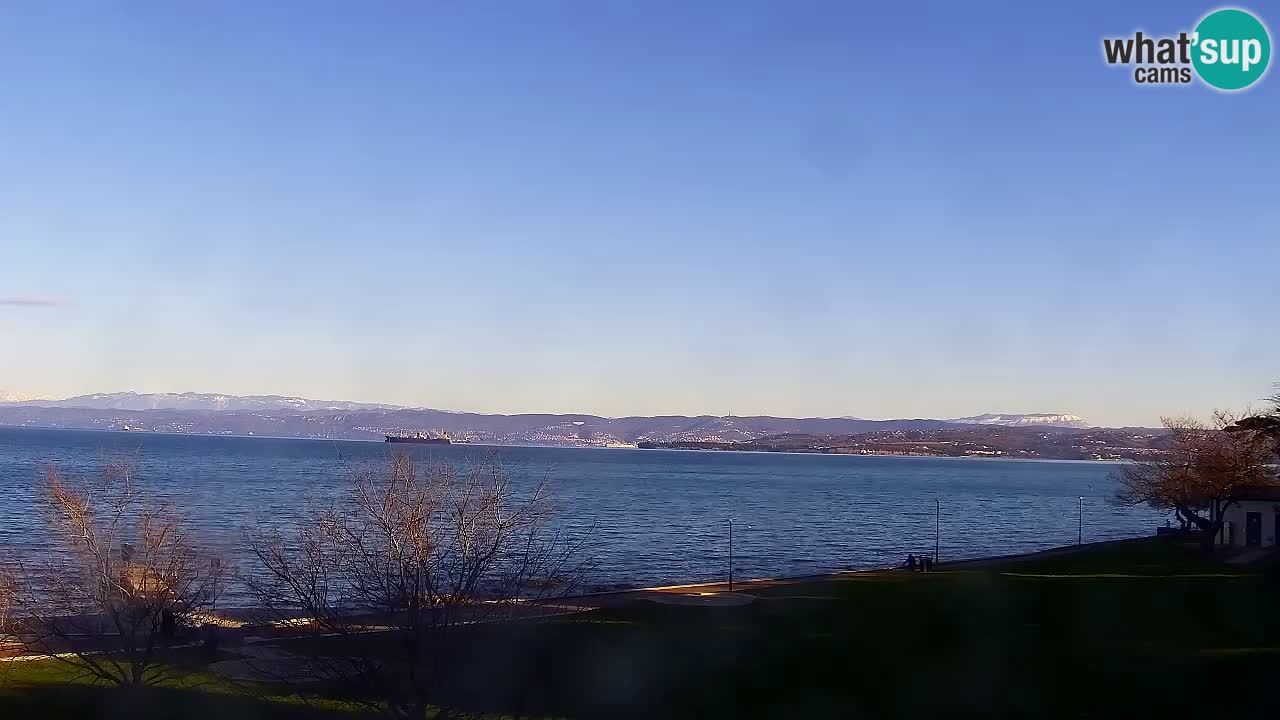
(32, 302)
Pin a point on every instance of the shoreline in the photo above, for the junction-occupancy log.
(964, 564)
(240, 626)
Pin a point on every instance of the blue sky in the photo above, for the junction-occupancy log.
(789, 208)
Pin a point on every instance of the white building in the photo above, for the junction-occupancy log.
(1253, 520)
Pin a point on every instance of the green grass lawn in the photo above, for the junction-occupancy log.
(53, 689)
(1137, 630)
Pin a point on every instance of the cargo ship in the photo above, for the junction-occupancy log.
(418, 439)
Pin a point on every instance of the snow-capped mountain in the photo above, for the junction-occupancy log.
(203, 401)
(1024, 420)
(14, 397)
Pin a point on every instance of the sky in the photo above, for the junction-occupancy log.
(789, 208)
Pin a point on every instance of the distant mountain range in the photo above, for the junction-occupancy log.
(196, 401)
(1024, 420)
(284, 416)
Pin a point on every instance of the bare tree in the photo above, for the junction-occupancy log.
(411, 555)
(122, 576)
(8, 596)
(1264, 424)
(1206, 470)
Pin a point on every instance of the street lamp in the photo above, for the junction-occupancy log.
(937, 528)
(730, 554)
(1080, 520)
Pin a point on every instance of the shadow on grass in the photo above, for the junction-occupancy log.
(1137, 630)
(110, 703)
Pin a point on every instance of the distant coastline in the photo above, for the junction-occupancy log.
(650, 449)
(988, 445)
(990, 435)
(881, 456)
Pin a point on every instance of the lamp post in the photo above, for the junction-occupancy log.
(730, 554)
(1080, 520)
(937, 528)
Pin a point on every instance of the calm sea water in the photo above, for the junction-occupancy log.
(657, 516)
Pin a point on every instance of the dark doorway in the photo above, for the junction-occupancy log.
(1253, 529)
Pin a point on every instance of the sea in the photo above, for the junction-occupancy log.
(650, 517)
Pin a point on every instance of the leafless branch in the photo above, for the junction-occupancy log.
(417, 551)
(121, 580)
(1207, 469)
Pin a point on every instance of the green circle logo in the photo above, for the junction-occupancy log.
(1231, 49)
